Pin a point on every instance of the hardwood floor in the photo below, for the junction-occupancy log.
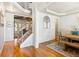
(8, 49)
(43, 51)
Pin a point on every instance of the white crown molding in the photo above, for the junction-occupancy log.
(16, 13)
(62, 14)
(53, 12)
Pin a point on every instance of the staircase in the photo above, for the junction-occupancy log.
(24, 37)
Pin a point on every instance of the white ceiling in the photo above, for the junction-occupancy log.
(63, 7)
(25, 5)
(15, 8)
(58, 7)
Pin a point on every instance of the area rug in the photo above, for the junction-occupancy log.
(68, 52)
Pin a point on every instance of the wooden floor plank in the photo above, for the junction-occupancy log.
(43, 51)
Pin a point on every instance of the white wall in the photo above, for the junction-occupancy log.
(1, 37)
(9, 27)
(2, 27)
(28, 42)
(67, 22)
(42, 34)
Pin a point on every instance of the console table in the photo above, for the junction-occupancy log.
(71, 40)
